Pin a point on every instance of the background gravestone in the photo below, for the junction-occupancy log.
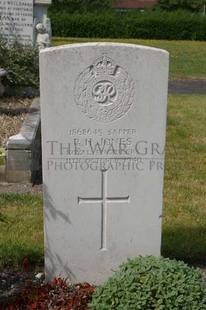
(103, 129)
(21, 19)
(18, 19)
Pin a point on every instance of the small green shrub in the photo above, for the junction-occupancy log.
(82, 5)
(160, 25)
(21, 63)
(172, 5)
(152, 283)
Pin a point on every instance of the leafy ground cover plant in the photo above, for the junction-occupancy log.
(152, 283)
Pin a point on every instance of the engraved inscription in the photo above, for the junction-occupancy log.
(16, 20)
(104, 91)
(104, 200)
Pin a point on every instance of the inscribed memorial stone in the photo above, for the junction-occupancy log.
(16, 20)
(21, 19)
(103, 131)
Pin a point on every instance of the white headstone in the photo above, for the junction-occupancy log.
(18, 19)
(103, 129)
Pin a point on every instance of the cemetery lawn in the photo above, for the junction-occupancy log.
(184, 216)
(184, 213)
(187, 58)
(21, 229)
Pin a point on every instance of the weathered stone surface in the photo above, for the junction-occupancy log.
(103, 126)
(2, 74)
(18, 166)
(24, 149)
(2, 166)
(19, 19)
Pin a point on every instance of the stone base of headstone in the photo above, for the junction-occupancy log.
(2, 74)
(18, 166)
(24, 149)
(2, 167)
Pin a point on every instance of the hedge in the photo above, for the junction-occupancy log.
(180, 25)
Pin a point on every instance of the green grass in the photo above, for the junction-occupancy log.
(21, 228)
(184, 216)
(187, 58)
(184, 219)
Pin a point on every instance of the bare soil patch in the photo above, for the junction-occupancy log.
(12, 114)
(8, 188)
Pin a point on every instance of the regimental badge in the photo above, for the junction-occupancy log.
(104, 91)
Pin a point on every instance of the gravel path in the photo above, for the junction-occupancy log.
(196, 86)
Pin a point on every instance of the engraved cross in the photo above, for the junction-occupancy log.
(104, 200)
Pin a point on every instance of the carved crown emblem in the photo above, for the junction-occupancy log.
(104, 65)
(104, 91)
